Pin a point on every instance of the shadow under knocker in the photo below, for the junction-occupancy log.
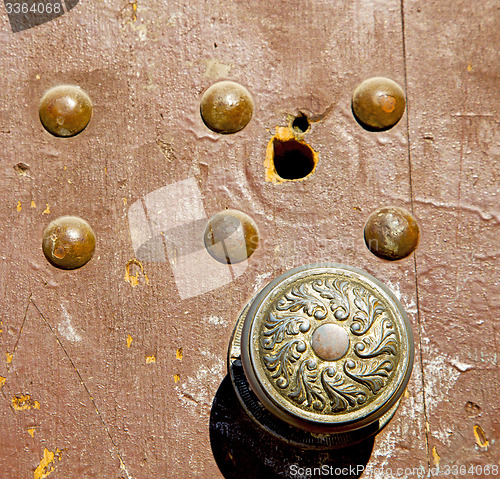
(243, 450)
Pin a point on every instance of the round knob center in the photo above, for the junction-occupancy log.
(330, 342)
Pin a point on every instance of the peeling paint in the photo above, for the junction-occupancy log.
(10, 357)
(23, 402)
(2, 381)
(150, 359)
(46, 211)
(440, 377)
(481, 439)
(66, 328)
(19, 207)
(462, 367)
(46, 467)
(33, 204)
(177, 378)
(435, 456)
(178, 354)
(31, 431)
(129, 341)
(215, 320)
(133, 279)
(215, 69)
(200, 387)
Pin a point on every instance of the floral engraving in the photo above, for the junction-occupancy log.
(369, 308)
(306, 390)
(330, 387)
(336, 292)
(277, 328)
(341, 395)
(385, 343)
(281, 363)
(298, 298)
(372, 375)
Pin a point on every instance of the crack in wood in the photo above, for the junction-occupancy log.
(82, 382)
(424, 399)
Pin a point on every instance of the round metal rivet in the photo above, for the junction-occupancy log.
(391, 233)
(65, 110)
(330, 341)
(68, 242)
(231, 236)
(226, 107)
(321, 356)
(378, 103)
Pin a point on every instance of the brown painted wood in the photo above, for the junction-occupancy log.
(109, 411)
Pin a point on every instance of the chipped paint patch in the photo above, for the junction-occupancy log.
(46, 211)
(386, 448)
(133, 279)
(442, 434)
(481, 439)
(31, 431)
(202, 385)
(19, 207)
(129, 341)
(66, 328)
(33, 204)
(215, 320)
(178, 354)
(2, 381)
(150, 359)
(435, 456)
(23, 402)
(215, 69)
(462, 367)
(177, 378)
(10, 357)
(409, 304)
(46, 466)
(440, 377)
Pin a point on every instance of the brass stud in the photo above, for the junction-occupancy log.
(391, 233)
(68, 242)
(226, 107)
(231, 236)
(65, 110)
(378, 103)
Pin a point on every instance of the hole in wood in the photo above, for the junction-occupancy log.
(293, 160)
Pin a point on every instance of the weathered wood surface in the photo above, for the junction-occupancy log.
(113, 413)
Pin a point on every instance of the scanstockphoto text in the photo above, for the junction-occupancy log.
(472, 471)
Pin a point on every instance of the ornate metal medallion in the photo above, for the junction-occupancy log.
(325, 348)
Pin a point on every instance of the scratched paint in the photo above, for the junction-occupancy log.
(23, 402)
(435, 456)
(199, 388)
(481, 439)
(215, 69)
(133, 279)
(440, 377)
(46, 466)
(66, 329)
